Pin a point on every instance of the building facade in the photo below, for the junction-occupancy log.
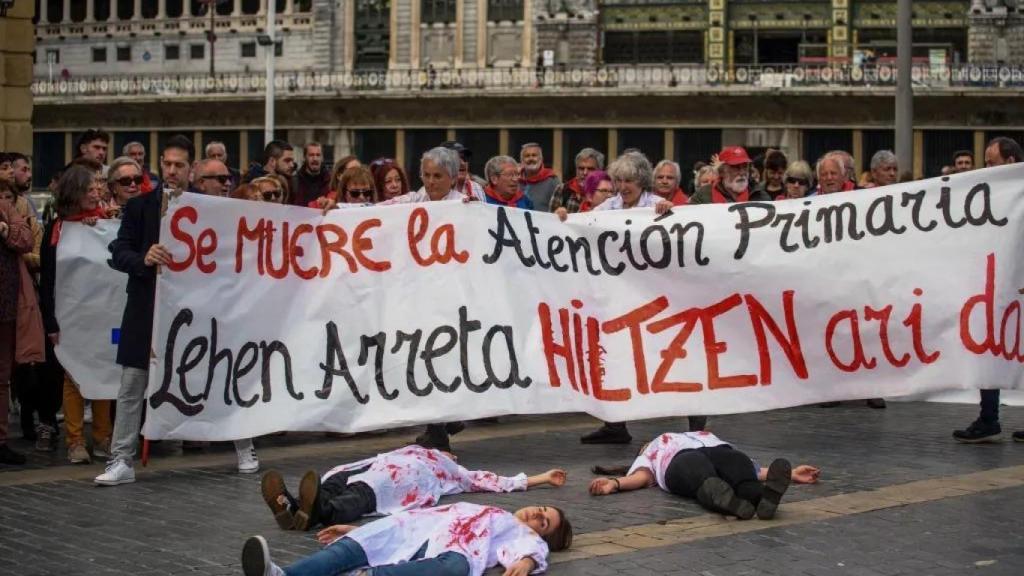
(16, 44)
(675, 78)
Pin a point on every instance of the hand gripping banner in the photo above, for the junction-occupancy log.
(280, 318)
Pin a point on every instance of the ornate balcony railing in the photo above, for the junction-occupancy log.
(602, 79)
(115, 28)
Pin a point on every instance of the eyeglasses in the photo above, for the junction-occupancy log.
(222, 178)
(360, 193)
(800, 181)
(129, 180)
(512, 175)
(272, 195)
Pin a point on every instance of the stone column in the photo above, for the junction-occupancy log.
(414, 36)
(481, 34)
(66, 16)
(263, 8)
(392, 36)
(161, 9)
(716, 33)
(349, 39)
(527, 59)
(460, 11)
(839, 46)
(289, 7)
(90, 11)
(43, 16)
(136, 10)
(236, 8)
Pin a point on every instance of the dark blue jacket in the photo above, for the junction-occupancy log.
(140, 229)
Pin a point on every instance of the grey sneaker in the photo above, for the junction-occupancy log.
(101, 449)
(77, 454)
(46, 438)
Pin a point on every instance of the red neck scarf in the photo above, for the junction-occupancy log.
(677, 198)
(718, 196)
(97, 212)
(510, 202)
(543, 174)
(574, 185)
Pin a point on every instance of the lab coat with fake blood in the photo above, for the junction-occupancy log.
(659, 452)
(416, 477)
(485, 535)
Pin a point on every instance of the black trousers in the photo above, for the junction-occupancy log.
(690, 468)
(39, 388)
(341, 503)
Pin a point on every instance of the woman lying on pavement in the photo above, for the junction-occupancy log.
(403, 479)
(459, 539)
(699, 465)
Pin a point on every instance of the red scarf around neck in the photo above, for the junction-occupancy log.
(719, 198)
(510, 202)
(543, 174)
(97, 212)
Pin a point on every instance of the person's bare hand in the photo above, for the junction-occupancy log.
(662, 207)
(157, 254)
(90, 220)
(556, 477)
(805, 474)
(4, 230)
(522, 567)
(332, 533)
(562, 213)
(54, 338)
(602, 487)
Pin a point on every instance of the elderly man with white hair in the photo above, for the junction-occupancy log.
(667, 177)
(884, 168)
(833, 171)
(732, 182)
(537, 180)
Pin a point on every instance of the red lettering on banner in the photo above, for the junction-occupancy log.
(859, 359)
(442, 242)
(203, 246)
(992, 344)
(883, 316)
(331, 239)
(570, 349)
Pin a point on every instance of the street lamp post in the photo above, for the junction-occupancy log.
(904, 90)
(211, 36)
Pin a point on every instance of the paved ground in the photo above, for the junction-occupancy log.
(960, 513)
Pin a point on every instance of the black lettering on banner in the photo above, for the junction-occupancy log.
(986, 212)
(945, 207)
(666, 246)
(915, 214)
(465, 327)
(745, 225)
(533, 240)
(164, 394)
(336, 353)
(627, 248)
(243, 366)
(787, 222)
(410, 365)
(680, 232)
(602, 253)
(513, 373)
(378, 341)
(555, 246)
(430, 353)
(803, 222)
(216, 357)
(267, 350)
(833, 219)
(505, 236)
(577, 245)
(888, 225)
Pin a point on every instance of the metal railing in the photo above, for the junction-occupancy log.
(530, 80)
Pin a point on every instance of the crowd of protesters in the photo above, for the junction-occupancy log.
(693, 464)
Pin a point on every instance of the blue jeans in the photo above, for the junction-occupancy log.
(346, 554)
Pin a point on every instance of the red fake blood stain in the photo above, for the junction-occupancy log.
(430, 456)
(441, 475)
(410, 497)
(463, 531)
(394, 471)
(664, 439)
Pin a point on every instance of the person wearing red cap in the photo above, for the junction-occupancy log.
(733, 181)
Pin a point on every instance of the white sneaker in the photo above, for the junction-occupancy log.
(248, 462)
(256, 558)
(118, 472)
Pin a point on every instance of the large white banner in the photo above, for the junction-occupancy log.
(275, 318)
(89, 299)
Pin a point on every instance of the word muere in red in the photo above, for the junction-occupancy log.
(194, 361)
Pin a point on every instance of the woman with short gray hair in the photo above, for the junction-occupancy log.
(124, 180)
(632, 177)
(439, 170)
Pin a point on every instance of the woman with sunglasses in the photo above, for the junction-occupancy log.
(124, 179)
(270, 190)
(799, 181)
(355, 188)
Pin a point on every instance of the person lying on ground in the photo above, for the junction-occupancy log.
(403, 479)
(699, 465)
(459, 539)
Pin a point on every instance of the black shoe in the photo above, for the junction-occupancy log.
(8, 456)
(256, 557)
(272, 486)
(28, 434)
(608, 434)
(435, 436)
(716, 495)
(828, 404)
(1018, 436)
(453, 428)
(876, 403)
(697, 423)
(309, 496)
(780, 473)
(979, 431)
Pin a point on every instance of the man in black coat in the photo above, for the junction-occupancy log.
(137, 252)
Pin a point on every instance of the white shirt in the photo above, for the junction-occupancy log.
(415, 477)
(485, 535)
(420, 196)
(660, 451)
(647, 200)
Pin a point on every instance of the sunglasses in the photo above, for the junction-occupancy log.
(360, 193)
(273, 194)
(129, 180)
(799, 181)
(222, 178)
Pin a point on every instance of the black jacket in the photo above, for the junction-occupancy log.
(47, 280)
(310, 186)
(140, 229)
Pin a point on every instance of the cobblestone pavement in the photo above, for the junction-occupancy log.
(189, 514)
